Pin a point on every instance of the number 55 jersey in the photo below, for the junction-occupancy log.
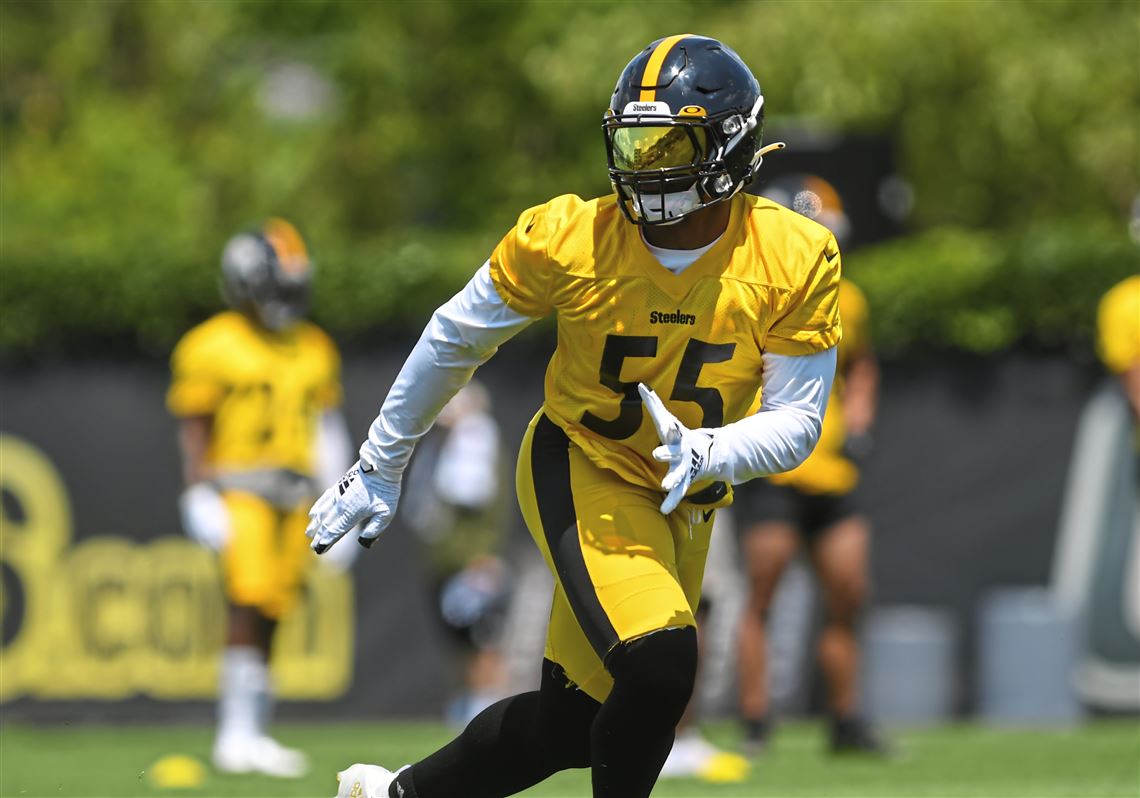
(768, 284)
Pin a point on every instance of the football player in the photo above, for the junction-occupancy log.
(256, 391)
(1118, 336)
(676, 298)
(816, 506)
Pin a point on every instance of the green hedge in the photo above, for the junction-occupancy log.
(134, 138)
(982, 291)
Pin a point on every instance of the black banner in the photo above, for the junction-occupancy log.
(108, 610)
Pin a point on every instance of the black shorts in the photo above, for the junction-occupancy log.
(760, 501)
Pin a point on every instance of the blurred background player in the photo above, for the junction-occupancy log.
(456, 504)
(256, 390)
(815, 507)
(1118, 336)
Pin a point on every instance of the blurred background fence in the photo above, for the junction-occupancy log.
(105, 599)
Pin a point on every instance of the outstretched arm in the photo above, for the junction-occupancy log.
(776, 438)
(462, 334)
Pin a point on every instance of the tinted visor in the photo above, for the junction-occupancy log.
(640, 149)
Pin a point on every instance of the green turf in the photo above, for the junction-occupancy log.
(1100, 759)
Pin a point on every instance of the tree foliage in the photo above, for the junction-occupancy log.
(137, 136)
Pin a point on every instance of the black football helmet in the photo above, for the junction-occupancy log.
(683, 130)
(267, 274)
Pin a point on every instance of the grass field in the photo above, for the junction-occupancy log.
(1098, 760)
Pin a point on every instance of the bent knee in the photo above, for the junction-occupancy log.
(661, 664)
(844, 602)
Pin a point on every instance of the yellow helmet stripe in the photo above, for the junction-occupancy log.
(653, 68)
(288, 244)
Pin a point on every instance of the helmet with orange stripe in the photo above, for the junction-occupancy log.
(683, 129)
(267, 273)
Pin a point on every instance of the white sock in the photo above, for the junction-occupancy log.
(244, 678)
(266, 701)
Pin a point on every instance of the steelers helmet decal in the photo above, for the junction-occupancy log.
(683, 129)
(267, 273)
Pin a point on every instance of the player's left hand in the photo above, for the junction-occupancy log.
(361, 496)
(687, 451)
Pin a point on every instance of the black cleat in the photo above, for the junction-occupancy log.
(756, 733)
(854, 735)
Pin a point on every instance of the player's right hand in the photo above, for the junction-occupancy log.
(204, 515)
(362, 497)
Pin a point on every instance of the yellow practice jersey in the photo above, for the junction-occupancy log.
(769, 283)
(827, 470)
(265, 390)
(1118, 326)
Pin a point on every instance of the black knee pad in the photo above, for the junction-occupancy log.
(661, 667)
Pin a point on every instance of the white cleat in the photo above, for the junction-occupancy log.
(694, 757)
(259, 755)
(364, 781)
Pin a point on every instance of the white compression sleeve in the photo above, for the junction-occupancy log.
(783, 432)
(462, 335)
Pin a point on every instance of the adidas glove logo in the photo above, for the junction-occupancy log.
(346, 480)
(697, 464)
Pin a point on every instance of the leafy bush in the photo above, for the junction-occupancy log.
(137, 136)
(983, 291)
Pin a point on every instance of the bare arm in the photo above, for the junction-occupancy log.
(204, 515)
(1130, 379)
(193, 442)
(861, 394)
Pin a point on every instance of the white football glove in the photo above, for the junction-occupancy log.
(688, 451)
(365, 781)
(204, 515)
(361, 496)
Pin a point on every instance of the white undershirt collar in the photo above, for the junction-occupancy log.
(677, 260)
